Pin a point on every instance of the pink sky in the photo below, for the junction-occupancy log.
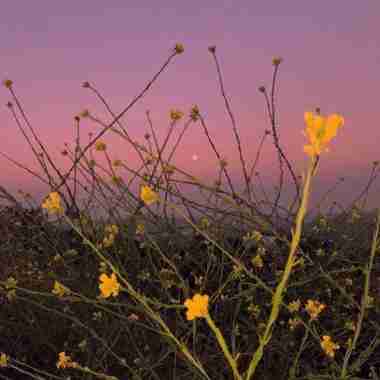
(331, 60)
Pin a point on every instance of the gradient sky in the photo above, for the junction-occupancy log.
(331, 53)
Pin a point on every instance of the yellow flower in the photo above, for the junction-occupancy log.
(85, 113)
(117, 180)
(100, 146)
(3, 360)
(294, 306)
(257, 262)
(197, 307)
(108, 241)
(140, 229)
(179, 48)
(329, 346)
(65, 361)
(60, 290)
(148, 195)
(276, 61)
(53, 203)
(314, 308)
(194, 113)
(175, 115)
(7, 83)
(117, 163)
(111, 229)
(10, 283)
(204, 223)
(320, 131)
(109, 286)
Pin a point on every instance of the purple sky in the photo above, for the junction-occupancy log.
(331, 53)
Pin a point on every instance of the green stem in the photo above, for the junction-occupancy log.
(364, 302)
(224, 347)
(281, 287)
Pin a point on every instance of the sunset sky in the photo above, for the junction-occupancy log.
(331, 60)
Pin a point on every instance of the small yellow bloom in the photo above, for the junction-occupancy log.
(148, 195)
(320, 131)
(10, 283)
(328, 346)
(179, 49)
(108, 241)
(7, 83)
(100, 146)
(65, 361)
(53, 203)
(194, 113)
(204, 223)
(85, 113)
(294, 306)
(111, 229)
(140, 229)
(117, 163)
(3, 360)
(276, 61)
(109, 286)
(257, 262)
(176, 115)
(60, 290)
(197, 307)
(314, 308)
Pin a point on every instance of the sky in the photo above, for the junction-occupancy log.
(331, 57)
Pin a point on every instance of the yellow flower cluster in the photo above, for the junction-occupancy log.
(175, 115)
(64, 361)
(117, 163)
(254, 235)
(328, 346)
(179, 49)
(60, 290)
(257, 262)
(148, 195)
(314, 308)
(110, 285)
(3, 360)
(320, 131)
(197, 307)
(194, 113)
(53, 203)
(110, 230)
(100, 146)
(140, 229)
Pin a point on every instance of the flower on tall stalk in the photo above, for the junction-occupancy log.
(147, 195)
(197, 307)
(320, 131)
(110, 285)
(179, 49)
(53, 203)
